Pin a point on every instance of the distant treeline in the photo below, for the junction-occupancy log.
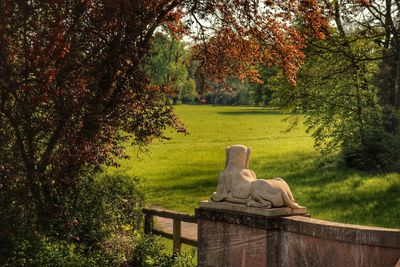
(171, 66)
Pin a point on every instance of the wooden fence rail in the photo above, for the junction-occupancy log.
(177, 219)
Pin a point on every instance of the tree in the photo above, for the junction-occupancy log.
(340, 103)
(232, 47)
(168, 64)
(71, 91)
(73, 88)
(262, 93)
(348, 84)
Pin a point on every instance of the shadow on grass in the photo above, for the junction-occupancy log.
(338, 193)
(298, 169)
(252, 112)
(189, 178)
(365, 208)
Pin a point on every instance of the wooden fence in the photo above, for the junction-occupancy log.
(176, 234)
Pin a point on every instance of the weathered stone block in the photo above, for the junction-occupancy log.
(231, 238)
(242, 208)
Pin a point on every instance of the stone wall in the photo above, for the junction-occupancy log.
(232, 239)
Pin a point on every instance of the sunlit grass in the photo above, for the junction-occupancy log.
(183, 171)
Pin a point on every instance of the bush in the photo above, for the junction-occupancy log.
(48, 252)
(150, 252)
(104, 207)
(378, 151)
(101, 216)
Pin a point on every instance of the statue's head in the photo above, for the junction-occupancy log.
(238, 156)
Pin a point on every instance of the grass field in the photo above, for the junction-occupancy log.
(183, 171)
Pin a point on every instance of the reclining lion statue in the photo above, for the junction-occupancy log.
(238, 184)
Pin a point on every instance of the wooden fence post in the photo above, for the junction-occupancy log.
(148, 224)
(177, 219)
(176, 225)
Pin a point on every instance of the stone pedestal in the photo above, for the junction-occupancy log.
(242, 208)
(236, 237)
(230, 238)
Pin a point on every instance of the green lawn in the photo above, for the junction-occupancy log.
(183, 171)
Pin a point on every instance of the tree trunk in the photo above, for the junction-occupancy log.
(389, 91)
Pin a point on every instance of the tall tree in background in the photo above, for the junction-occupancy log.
(338, 98)
(261, 94)
(168, 67)
(378, 22)
(349, 84)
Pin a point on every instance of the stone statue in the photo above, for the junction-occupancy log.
(235, 181)
(238, 184)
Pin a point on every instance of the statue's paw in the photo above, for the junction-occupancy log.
(297, 206)
(251, 203)
(256, 204)
(267, 205)
(218, 197)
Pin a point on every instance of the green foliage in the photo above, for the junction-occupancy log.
(107, 221)
(167, 66)
(47, 252)
(150, 251)
(262, 94)
(188, 93)
(187, 258)
(245, 93)
(234, 93)
(105, 206)
(349, 85)
(101, 215)
(379, 151)
(339, 98)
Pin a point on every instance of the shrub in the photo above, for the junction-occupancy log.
(105, 206)
(50, 252)
(378, 151)
(102, 216)
(150, 251)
